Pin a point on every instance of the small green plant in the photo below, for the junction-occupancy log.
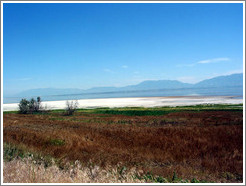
(56, 142)
(160, 179)
(122, 170)
(149, 177)
(194, 180)
(174, 176)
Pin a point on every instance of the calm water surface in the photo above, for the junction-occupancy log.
(227, 91)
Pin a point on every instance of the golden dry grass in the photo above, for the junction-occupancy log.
(26, 171)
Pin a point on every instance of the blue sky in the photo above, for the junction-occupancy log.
(92, 45)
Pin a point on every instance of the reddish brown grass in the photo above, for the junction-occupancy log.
(205, 145)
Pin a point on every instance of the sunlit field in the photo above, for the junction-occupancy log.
(201, 143)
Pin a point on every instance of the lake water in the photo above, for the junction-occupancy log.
(226, 91)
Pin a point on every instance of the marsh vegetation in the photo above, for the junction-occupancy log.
(201, 143)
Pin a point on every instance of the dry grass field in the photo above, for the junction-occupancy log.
(182, 144)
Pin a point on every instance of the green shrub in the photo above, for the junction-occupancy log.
(32, 105)
(26, 107)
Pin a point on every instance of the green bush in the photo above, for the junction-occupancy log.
(26, 107)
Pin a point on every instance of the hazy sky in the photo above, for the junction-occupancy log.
(91, 45)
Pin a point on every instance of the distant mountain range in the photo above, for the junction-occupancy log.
(220, 81)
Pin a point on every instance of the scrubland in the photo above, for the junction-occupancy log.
(169, 144)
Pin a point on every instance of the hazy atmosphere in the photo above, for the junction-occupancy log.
(95, 45)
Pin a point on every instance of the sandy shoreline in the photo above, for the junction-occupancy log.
(137, 102)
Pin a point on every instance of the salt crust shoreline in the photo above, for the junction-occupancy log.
(137, 102)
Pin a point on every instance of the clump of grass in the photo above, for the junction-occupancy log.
(56, 142)
(11, 152)
(150, 178)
